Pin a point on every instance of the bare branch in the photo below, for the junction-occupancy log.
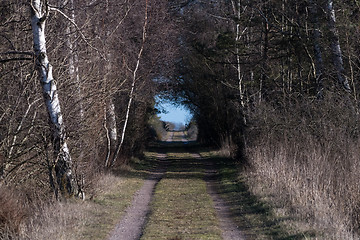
(16, 52)
(122, 20)
(14, 59)
(34, 10)
(79, 30)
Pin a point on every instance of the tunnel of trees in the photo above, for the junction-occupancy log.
(262, 78)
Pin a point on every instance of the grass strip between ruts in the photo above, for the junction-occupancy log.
(181, 207)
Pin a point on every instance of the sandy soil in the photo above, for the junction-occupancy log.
(230, 231)
(131, 225)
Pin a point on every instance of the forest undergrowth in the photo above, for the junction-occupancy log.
(305, 158)
(74, 218)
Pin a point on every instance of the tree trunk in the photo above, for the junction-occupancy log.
(111, 130)
(74, 58)
(63, 164)
(237, 12)
(264, 79)
(131, 95)
(110, 118)
(317, 49)
(263, 87)
(335, 47)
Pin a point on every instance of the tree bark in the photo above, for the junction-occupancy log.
(132, 90)
(317, 49)
(335, 47)
(74, 58)
(63, 161)
(236, 5)
(111, 130)
(264, 70)
(110, 117)
(263, 86)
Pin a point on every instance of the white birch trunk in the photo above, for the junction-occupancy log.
(110, 129)
(61, 151)
(237, 13)
(112, 122)
(110, 110)
(132, 90)
(74, 60)
(335, 47)
(110, 118)
(75, 78)
(317, 49)
(131, 97)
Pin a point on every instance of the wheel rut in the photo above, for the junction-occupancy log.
(132, 223)
(230, 231)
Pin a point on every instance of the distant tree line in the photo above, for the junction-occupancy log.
(238, 54)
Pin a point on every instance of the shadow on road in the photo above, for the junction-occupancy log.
(254, 217)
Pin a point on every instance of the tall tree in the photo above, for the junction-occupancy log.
(110, 113)
(134, 78)
(63, 161)
(335, 46)
(236, 6)
(316, 35)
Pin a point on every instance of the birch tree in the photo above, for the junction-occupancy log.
(263, 86)
(236, 5)
(74, 57)
(132, 89)
(316, 35)
(63, 161)
(335, 47)
(111, 129)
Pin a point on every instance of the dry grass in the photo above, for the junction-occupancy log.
(322, 193)
(307, 162)
(12, 212)
(255, 217)
(76, 219)
(92, 219)
(56, 221)
(114, 195)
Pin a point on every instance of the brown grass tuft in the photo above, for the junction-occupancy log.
(175, 238)
(307, 159)
(12, 211)
(56, 221)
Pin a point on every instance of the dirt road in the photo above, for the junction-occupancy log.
(133, 223)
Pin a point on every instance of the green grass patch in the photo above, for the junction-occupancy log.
(181, 208)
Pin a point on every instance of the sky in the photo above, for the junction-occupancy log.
(171, 113)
